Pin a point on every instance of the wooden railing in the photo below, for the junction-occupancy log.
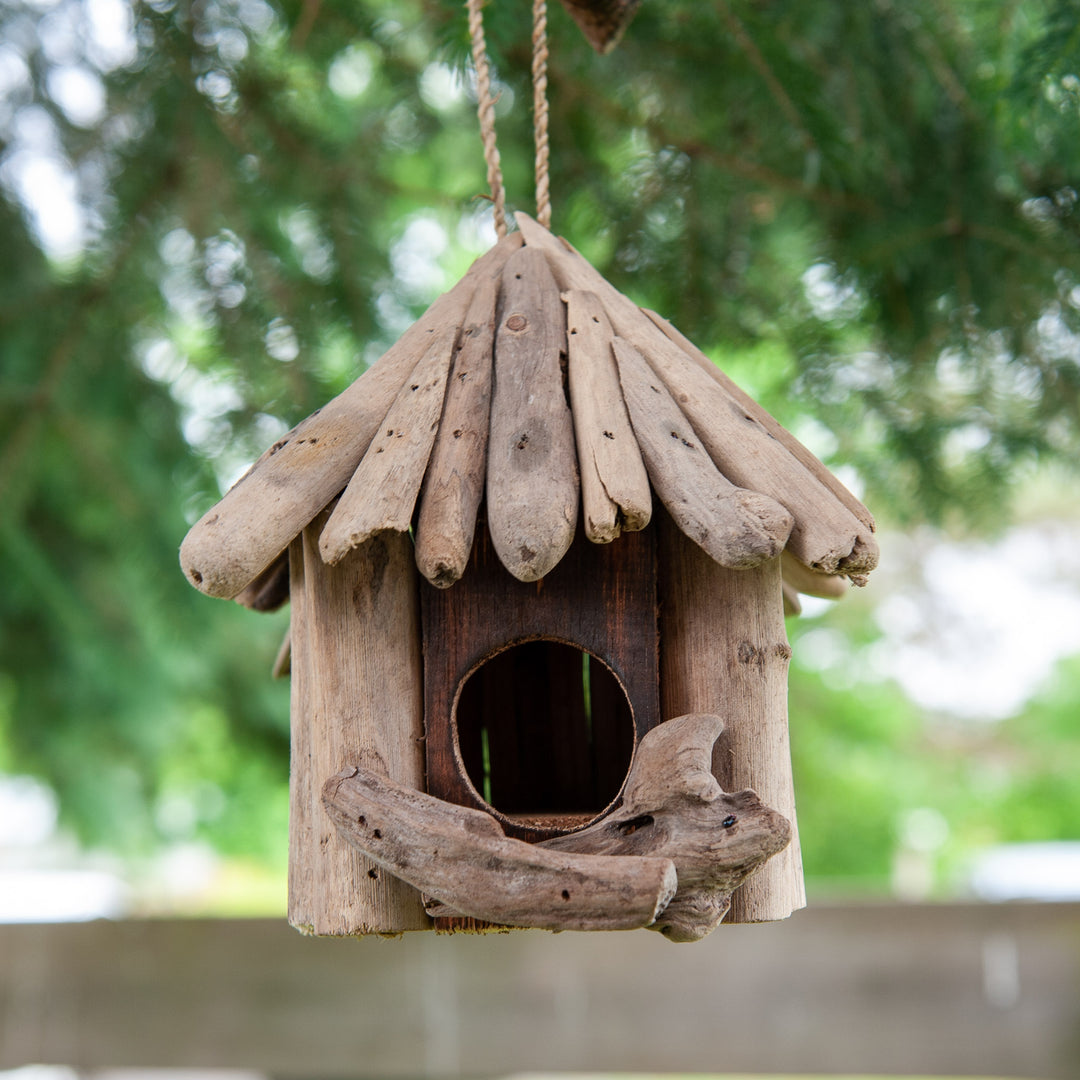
(885, 989)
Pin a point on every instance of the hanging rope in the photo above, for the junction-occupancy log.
(540, 113)
(485, 111)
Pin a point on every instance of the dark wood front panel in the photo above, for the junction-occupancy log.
(600, 599)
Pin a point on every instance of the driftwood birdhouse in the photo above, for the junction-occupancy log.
(537, 556)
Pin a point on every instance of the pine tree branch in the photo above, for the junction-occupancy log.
(753, 170)
(304, 25)
(15, 454)
(757, 58)
(735, 164)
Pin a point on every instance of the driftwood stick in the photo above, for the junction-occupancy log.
(792, 603)
(382, 494)
(775, 429)
(614, 485)
(737, 528)
(455, 479)
(249, 528)
(674, 808)
(270, 589)
(283, 660)
(460, 857)
(801, 578)
(532, 485)
(826, 536)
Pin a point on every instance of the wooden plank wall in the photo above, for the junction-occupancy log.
(943, 990)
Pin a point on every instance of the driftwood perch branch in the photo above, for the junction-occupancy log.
(673, 807)
(668, 859)
(461, 857)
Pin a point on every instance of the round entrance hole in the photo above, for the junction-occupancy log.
(546, 734)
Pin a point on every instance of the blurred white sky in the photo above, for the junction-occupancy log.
(970, 628)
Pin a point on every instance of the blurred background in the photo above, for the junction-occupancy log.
(215, 214)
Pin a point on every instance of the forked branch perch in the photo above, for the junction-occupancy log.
(461, 857)
(674, 808)
(669, 858)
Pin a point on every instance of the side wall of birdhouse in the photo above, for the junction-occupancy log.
(724, 650)
(357, 699)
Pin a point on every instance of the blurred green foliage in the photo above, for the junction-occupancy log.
(866, 212)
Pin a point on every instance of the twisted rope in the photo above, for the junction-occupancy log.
(485, 111)
(540, 113)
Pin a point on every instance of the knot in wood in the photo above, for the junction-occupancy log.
(516, 322)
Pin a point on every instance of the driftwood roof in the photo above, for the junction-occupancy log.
(536, 383)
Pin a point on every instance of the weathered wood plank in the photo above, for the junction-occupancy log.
(724, 650)
(357, 696)
(738, 528)
(614, 485)
(673, 807)
(382, 493)
(532, 483)
(461, 858)
(454, 484)
(826, 536)
(249, 528)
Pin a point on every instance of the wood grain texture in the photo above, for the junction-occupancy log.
(600, 598)
(254, 523)
(454, 484)
(737, 528)
(767, 421)
(532, 482)
(382, 493)
(460, 858)
(723, 650)
(614, 485)
(826, 536)
(673, 807)
(357, 696)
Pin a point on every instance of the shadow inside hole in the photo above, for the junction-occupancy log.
(546, 733)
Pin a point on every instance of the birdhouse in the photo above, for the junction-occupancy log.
(538, 557)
